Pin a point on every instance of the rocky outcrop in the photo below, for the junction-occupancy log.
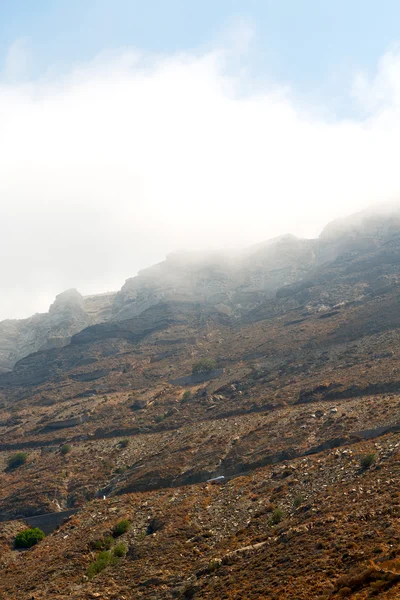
(65, 423)
(69, 314)
(355, 259)
(156, 318)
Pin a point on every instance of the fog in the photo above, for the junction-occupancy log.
(107, 168)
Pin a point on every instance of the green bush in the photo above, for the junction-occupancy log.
(65, 449)
(121, 527)
(101, 562)
(298, 500)
(103, 544)
(29, 537)
(214, 564)
(97, 544)
(204, 365)
(120, 550)
(106, 558)
(186, 396)
(367, 461)
(276, 516)
(17, 459)
(124, 443)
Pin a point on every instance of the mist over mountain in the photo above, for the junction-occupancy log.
(236, 282)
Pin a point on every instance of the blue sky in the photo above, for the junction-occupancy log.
(133, 129)
(315, 46)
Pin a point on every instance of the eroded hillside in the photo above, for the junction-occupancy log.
(300, 414)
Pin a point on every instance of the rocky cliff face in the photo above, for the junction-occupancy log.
(352, 257)
(69, 314)
(235, 282)
(359, 254)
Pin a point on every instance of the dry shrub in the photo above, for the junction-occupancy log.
(355, 581)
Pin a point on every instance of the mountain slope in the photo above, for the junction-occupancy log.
(306, 387)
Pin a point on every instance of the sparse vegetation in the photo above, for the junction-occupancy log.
(108, 542)
(103, 543)
(121, 527)
(298, 500)
(213, 565)
(124, 443)
(367, 461)
(120, 550)
(29, 537)
(65, 449)
(276, 516)
(106, 557)
(16, 460)
(101, 562)
(204, 365)
(97, 544)
(186, 396)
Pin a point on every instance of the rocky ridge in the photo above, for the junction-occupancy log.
(235, 283)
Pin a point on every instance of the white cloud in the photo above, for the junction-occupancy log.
(105, 170)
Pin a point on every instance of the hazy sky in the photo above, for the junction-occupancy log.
(129, 129)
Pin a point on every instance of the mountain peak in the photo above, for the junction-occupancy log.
(68, 297)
